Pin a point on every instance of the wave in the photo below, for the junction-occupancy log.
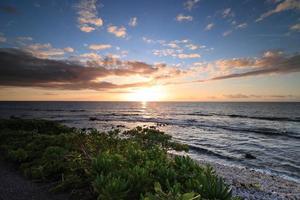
(288, 119)
(211, 153)
(58, 110)
(296, 119)
(195, 123)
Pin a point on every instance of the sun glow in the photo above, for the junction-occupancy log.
(147, 94)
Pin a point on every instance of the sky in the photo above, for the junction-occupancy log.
(158, 50)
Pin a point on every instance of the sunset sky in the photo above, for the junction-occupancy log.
(151, 50)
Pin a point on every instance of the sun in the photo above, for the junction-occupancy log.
(147, 94)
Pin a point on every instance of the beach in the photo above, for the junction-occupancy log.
(251, 184)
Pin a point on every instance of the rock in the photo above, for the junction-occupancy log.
(161, 124)
(249, 156)
(93, 118)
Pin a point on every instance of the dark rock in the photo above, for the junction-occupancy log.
(249, 156)
(93, 118)
(161, 124)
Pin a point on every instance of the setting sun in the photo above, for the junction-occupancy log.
(147, 94)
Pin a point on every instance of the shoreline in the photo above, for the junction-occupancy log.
(245, 182)
(251, 184)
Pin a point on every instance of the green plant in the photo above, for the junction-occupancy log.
(172, 194)
(108, 165)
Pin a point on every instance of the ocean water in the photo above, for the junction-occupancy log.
(216, 132)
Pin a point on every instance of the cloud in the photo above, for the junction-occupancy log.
(241, 26)
(176, 48)
(166, 52)
(22, 69)
(99, 46)
(181, 18)
(91, 56)
(133, 22)
(10, 9)
(193, 47)
(86, 29)
(245, 96)
(237, 96)
(148, 40)
(88, 19)
(117, 31)
(176, 53)
(190, 4)
(69, 49)
(46, 50)
(271, 62)
(186, 56)
(172, 44)
(24, 38)
(209, 26)
(295, 27)
(283, 6)
(226, 33)
(227, 13)
(225, 65)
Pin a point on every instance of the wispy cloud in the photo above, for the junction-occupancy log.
(227, 13)
(68, 49)
(133, 22)
(91, 56)
(117, 31)
(186, 56)
(241, 26)
(295, 27)
(24, 38)
(226, 33)
(172, 44)
(271, 62)
(46, 50)
(88, 15)
(166, 52)
(283, 6)
(209, 26)
(256, 96)
(182, 18)
(194, 47)
(99, 46)
(190, 4)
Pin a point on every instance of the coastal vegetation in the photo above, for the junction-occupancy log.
(112, 165)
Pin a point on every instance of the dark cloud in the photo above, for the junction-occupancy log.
(244, 96)
(8, 9)
(18, 68)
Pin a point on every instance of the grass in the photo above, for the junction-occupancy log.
(107, 165)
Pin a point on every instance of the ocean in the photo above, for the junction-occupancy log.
(215, 132)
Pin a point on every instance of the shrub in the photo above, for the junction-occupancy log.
(95, 165)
